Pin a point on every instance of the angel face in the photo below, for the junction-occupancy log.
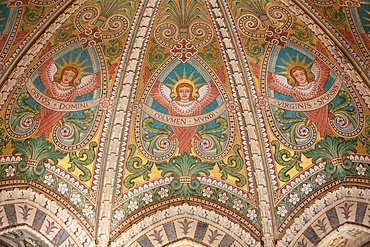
(68, 75)
(300, 76)
(184, 93)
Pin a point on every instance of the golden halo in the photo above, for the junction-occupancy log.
(75, 63)
(180, 80)
(294, 63)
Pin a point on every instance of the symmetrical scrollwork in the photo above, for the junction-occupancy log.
(265, 22)
(107, 20)
(183, 28)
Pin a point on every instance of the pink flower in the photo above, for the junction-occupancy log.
(136, 107)
(232, 107)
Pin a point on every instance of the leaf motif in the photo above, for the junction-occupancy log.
(88, 116)
(346, 210)
(321, 225)
(157, 236)
(51, 226)
(22, 103)
(213, 236)
(136, 167)
(185, 226)
(25, 211)
(188, 166)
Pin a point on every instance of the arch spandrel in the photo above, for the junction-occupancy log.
(65, 157)
(185, 148)
(274, 36)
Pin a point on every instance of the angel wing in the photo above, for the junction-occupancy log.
(47, 72)
(88, 84)
(321, 71)
(207, 93)
(319, 68)
(161, 93)
(279, 84)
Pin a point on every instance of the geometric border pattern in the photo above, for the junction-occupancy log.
(54, 223)
(186, 222)
(344, 205)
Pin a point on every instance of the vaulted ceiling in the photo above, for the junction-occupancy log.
(184, 123)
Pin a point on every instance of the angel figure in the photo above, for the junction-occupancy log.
(184, 105)
(305, 88)
(62, 89)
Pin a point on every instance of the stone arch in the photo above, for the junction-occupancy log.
(194, 223)
(44, 218)
(185, 243)
(349, 234)
(344, 206)
(22, 235)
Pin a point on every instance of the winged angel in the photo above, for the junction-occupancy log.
(184, 105)
(62, 89)
(305, 88)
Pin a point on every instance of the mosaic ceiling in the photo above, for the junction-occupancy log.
(184, 123)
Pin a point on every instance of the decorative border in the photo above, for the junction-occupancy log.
(253, 130)
(187, 211)
(53, 209)
(112, 158)
(318, 209)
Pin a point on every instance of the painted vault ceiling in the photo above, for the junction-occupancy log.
(184, 123)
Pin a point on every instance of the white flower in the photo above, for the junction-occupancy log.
(293, 198)
(119, 215)
(88, 210)
(10, 171)
(62, 188)
(207, 192)
(238, 205)
(361, 170)
(251, 214)
(282, 211)
(49, 179)
(76, 198)
(223, 197)
(320, 179)
(306, 188)
(133, 205)
(262, 101)
(304, 131)
(163, 193)
(148, 198)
